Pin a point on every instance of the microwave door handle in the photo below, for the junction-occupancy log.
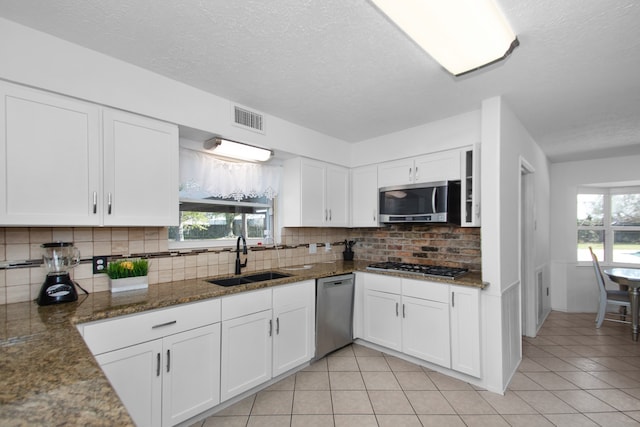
(433, 200)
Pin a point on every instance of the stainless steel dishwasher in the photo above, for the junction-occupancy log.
(334, 313)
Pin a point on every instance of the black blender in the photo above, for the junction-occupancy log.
(59, 258)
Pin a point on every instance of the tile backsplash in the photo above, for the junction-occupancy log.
(22, 283)
(423, 244)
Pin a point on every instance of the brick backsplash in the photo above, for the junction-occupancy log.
(443, 245)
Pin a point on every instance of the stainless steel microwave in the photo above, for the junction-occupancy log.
(434, 202)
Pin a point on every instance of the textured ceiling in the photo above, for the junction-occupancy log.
(339, 67)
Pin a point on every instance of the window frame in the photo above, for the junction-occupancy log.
(225, 243)
(607, 227)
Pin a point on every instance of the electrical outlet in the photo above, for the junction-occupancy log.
(313, 248)
(327, 247)
(99, 264)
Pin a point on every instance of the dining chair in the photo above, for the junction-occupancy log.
(614, 297)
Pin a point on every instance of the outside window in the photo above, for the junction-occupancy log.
(219, 222)
(609, 222)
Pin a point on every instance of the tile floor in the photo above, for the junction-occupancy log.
(572, 374)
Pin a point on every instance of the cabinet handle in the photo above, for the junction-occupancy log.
(277, 326)
(173, 322)
(416, 174)
(109, 204)
(325, 214)
(95, 202)
(270, 327)
(158, 366)
(374, 214)
(453, 299)
(410, 174)
(329, 214)
(403, 312)
(396, 309)
(168, 360)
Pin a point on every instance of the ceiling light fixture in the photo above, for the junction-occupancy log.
(462, 35)
(237, 150)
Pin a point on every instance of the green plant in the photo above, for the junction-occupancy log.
(123, 268)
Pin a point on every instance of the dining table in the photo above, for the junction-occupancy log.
(629, 277)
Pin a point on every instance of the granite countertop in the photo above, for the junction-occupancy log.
(49, 377)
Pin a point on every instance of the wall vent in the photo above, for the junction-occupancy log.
(248, 119)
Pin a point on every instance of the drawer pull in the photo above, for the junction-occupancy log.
(173, 322)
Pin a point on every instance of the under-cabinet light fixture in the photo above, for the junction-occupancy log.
(462, 35)
(237, 150)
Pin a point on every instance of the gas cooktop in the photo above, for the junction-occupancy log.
(423, 270)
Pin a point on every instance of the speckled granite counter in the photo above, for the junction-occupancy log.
(49, 377)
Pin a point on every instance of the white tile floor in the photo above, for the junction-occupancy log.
(572, 374)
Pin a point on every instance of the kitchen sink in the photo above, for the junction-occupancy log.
(252, 278)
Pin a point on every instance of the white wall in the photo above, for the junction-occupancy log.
(573, 286)
(452, 132)
(505, 143)
(37, 59)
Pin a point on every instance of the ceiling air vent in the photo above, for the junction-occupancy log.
(248, 119)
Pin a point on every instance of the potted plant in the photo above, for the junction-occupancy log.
(128, 274)
(348, 250)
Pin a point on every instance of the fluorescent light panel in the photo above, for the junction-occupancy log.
(462, 35)
(237, 150)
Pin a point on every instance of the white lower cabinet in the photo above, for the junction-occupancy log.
(163, 364)
(425, 331)
(294, 329)
(136, 374)
(246, 353)
(382, 323)
(435, 322)
(265, 335)
(169, 380)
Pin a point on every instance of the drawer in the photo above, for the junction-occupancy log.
(425, 290)
(245, 303)
(381, 282)
(112, 334)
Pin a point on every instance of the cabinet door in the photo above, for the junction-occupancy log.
(437, 167)
(49, 154)
(465, 330)
(140, 171)
(397, 172)
(364, 196)
(337, 196)
(294, 330)
(312, 193)
(136, 374)
(425, 330)
(470, 186)
(246, 353)
(382, 322)
(191, 365)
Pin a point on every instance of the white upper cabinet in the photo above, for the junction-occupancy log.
(61, 169)
(315, 194)
(470, 186)
(364, 196)
(49, 152)
(441, 166)
(140, 170)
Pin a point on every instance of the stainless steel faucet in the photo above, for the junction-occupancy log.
(239, 265)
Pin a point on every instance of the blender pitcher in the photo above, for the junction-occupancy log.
(59, 258)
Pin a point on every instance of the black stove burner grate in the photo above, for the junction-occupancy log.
(426, 270)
